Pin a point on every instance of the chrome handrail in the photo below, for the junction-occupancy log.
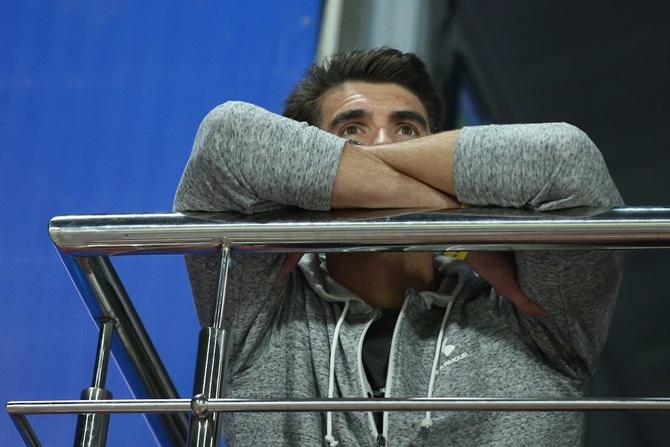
(86, 242)
(342, 404)
(286, 231)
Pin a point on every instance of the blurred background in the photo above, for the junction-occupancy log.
(100, 100)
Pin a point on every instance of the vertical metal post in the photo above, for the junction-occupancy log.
(210, 375)
(92, 427)
(105, 298)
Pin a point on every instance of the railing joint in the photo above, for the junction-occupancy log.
(200, 406)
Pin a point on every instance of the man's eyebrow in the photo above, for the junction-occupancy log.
(408, 115)
(352, 114)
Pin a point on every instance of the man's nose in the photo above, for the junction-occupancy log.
(382, 136)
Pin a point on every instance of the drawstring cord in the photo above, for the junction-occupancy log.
(428, 421)
(331, 376)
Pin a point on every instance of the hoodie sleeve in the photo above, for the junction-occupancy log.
(548, 167)
(249, 160)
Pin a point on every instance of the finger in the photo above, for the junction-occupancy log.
(524, 303)
(499, 269)
(287, 267)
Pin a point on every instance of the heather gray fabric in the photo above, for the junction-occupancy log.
(249, 160)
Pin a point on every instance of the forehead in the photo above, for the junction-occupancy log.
(379, 99)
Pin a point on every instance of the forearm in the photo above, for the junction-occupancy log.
(364, 180)
(542, 166)
(247, 159)
(429, 160)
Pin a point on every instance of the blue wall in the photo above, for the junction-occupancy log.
(99, 103)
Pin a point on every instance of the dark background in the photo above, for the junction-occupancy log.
(605, 67)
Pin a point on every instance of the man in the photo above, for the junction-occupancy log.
(399, 324)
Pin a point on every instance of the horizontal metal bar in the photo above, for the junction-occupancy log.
(362, 230)
(307, 405)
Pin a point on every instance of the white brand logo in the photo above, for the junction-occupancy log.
(447, 350)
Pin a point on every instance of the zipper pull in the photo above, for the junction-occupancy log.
(381, 440)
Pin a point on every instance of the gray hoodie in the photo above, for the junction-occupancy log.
(304, 339)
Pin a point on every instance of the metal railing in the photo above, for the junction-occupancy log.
(86, 242)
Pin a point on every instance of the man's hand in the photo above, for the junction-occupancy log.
(496, 267)
(499, 269)
(287, 267)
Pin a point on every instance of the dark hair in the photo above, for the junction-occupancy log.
(377, 65)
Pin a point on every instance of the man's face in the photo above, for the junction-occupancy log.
(373, 113)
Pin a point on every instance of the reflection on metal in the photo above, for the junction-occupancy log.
(222, 288)
(85, 242)
(102, 355)
(92, 427)
(471, 228)
(205, 427)
(210, 374)
(325, 404)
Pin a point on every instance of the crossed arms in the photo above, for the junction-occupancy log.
(249, 160)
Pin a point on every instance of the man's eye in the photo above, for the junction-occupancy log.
(408, 131)
(351, 130)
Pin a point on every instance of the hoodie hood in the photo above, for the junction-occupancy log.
(454, 275)
(313, 266)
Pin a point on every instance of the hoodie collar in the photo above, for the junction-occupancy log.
(454, 275)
